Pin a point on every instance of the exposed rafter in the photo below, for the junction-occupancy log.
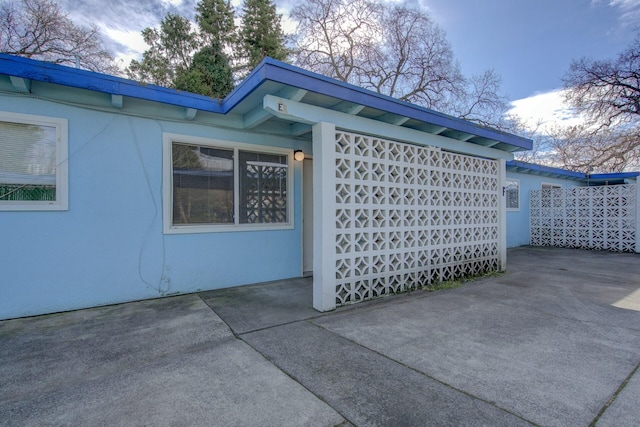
(255, 117)
(292, 93)
(348, 108)
(485, 142)
(20, 84)
(259, 115)
(190, 113)
(299, 129)
(393, 119)
(288, 82)
(308, 114)
(116, 101)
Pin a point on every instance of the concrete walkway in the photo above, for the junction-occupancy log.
(555, 341)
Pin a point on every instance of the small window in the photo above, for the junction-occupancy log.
(33, 162)
(512, 194)
(263, 188)
(220, 186)
(548, 186)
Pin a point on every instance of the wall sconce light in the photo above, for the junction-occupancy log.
(298, 155)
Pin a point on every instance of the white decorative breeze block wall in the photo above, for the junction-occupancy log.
(408, 216)
(601, 218)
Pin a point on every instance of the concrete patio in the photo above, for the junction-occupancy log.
(554, 341)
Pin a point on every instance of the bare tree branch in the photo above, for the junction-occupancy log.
(607, 92)
(394, 50)
(39, 29)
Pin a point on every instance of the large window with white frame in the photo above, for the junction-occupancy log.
(512, 194)
(33, 162)
(212, 185)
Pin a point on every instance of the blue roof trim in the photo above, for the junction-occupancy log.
(74, 77)
(618, 175)
(246, 87)
(534, 168)
(288, 74)
(540, 169)
(268, 70)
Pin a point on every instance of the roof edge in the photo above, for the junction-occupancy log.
(82, 79)
(268, 70)
(535, 168)
(277, 71)
(615, 175)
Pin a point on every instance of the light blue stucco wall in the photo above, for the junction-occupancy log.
(109, 246)
(518, 229)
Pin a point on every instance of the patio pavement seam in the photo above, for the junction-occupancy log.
(426, 375)
(371, 304)
(238, 336)
(614, 396)
(293, 377)
(401, 299)
(549, 344)
(310, 321)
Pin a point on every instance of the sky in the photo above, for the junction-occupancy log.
(529, 43)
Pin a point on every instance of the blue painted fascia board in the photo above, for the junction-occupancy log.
(268, 70)
(245, 88)
(280, 72)
(617, 175)
(525, 167)
(74, 77)
(540, 169)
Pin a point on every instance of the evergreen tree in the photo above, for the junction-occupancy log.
(169, 54)
(201, 62)
(183, 59)
(215, 19)
(261, 33)
(209, 74)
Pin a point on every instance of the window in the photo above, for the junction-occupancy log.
(548, 186)
(202, 185)
(263, 188)
(512, 194)
(33, 162)
(215, 185)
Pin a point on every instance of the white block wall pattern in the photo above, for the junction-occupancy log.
(602, 218)
(405, 216)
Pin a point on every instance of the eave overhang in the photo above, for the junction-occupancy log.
(273, 78)
(589, 179)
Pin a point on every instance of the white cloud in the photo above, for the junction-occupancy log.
(288, 25)
(629, 10)
(542, 111)
(131, 44)
(625, 4)
(132, 39)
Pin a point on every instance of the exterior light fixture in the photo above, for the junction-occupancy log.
(298, 155)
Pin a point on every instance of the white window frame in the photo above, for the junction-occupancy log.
(505, 194)
(550, 185)
(62, 173)
(167, 185)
